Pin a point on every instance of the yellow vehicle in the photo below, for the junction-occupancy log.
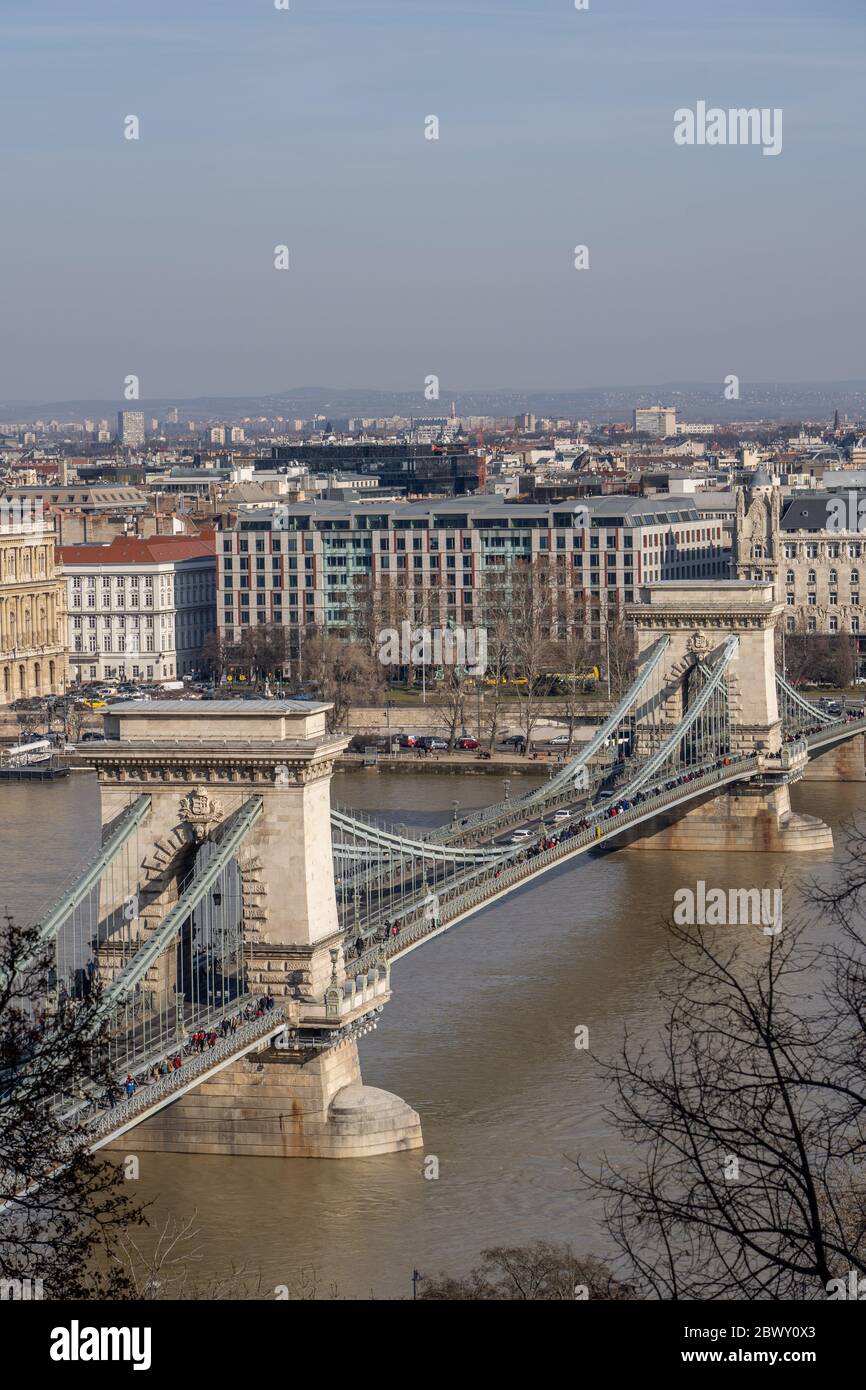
(94, 704)
(577, 677)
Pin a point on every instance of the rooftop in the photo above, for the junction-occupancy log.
(128, 550)
(617, 509)
(214, 708)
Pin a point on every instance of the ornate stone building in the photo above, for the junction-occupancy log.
(812, 549)
(32, 609)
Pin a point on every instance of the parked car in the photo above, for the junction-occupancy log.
(431, 744)
(515, 741)
(559, 739)
(408, 740)
(467, 742)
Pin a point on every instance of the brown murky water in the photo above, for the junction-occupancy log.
(479, 1038)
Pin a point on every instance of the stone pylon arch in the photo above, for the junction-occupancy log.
(697, 618)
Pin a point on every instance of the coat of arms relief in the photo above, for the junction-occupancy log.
(200, 812)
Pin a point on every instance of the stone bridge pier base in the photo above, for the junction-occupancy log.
(742, 818)
(846, 763)
(274, 1104)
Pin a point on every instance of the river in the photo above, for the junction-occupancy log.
(479, 1039)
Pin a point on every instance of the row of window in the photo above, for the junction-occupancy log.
(832, 599)
(812, 625)
(832, 577)
(613, 540)
(811, 549)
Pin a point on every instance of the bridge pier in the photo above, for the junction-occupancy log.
(844, 763)
(280, 1104)
(742, 818)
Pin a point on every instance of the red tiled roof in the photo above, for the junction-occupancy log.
(129, 550)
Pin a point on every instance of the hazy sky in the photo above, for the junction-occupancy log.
(412, 256)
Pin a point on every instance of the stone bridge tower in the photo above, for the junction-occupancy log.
(698, 617)
(199, 763)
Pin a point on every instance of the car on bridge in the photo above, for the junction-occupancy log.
(520, 837)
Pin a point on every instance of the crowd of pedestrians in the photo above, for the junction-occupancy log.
(202, 1040)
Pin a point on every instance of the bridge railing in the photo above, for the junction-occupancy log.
(198, 1065)
(418, 923)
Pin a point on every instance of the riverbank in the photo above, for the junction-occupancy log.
(498, 764)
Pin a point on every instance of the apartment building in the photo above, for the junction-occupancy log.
(139, 609)
(305, 566)
(657, 420)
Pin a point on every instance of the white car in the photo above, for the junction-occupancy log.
(520, 837)
(562, 815)
(560, 739)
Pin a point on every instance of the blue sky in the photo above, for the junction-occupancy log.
(409, 256)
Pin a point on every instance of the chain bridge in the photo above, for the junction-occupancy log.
(234, 933)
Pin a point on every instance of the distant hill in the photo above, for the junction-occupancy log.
(694, 401)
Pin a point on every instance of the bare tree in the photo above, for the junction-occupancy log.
(63, 1209)
(532, 611)
(343, 672)
(530, 1273)
(497, 621)
(573, 656)
(214, 656)
(747, 1122)
(620, 652)
(451, 695)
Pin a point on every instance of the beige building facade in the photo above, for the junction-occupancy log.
(812, 548)
(32, 609)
